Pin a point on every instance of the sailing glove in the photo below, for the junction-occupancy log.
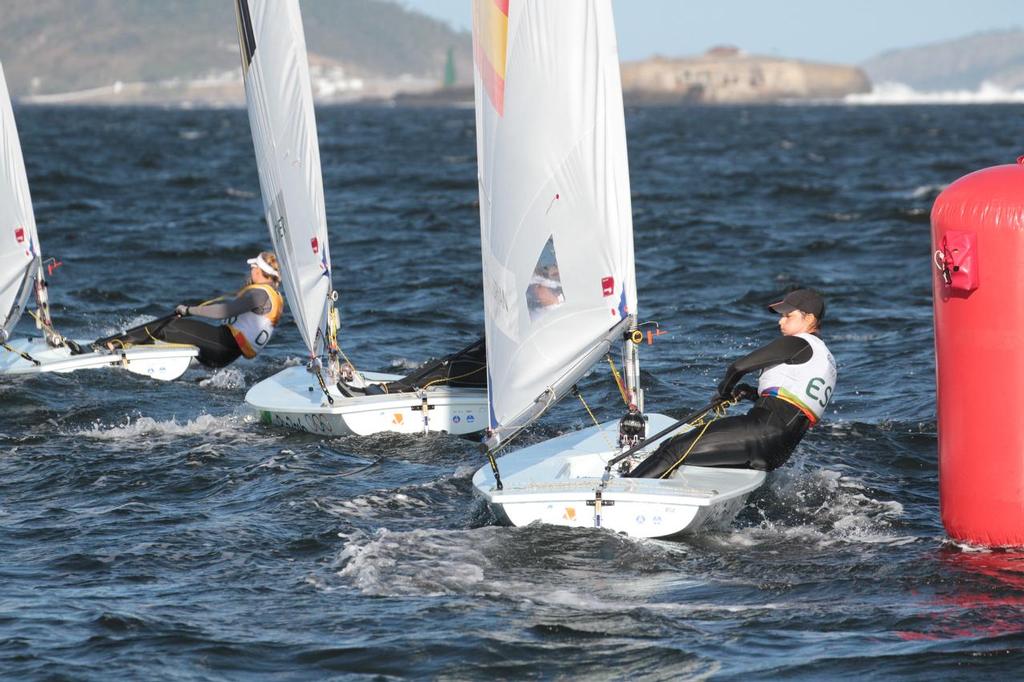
(181, 310)
(744, 392)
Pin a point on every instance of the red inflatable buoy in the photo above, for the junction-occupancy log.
(978, 298)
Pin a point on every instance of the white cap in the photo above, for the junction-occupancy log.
(264, 266)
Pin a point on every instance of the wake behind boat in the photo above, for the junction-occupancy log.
(559, 277)
(329, 395)
(22, 274)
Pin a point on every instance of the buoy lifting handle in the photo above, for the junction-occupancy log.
(957, 261)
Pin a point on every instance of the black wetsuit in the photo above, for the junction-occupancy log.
(763, 438)
(466, 368)
(216, 344)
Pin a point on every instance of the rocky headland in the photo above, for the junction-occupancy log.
(726, 75)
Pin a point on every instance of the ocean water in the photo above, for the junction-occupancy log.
(158, 531)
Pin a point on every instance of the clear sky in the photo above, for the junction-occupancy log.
(842, 31)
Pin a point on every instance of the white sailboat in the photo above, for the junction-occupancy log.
(329, 398)
(558, 268)
(22, 275)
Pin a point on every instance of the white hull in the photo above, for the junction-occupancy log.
(293, 398)
(157, 361)
(554, 482)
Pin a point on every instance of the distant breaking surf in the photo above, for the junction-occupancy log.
(898, 93)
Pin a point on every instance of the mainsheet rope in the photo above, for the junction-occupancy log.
(578, 394)
(719, 411)
(24, 355)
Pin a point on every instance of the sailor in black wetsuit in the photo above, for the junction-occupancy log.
(797, 380)
(250, 318)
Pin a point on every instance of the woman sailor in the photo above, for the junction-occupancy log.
(797, 380)
(250, 318)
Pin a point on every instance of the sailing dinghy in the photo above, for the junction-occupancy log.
(326, 396)
(23, 274)
(559, 281)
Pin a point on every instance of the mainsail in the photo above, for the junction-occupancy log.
(19, 241)
(555, 214)
(280, 101)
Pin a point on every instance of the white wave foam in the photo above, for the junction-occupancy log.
(898, 93)
(371, 505)
(434, 563)
(419, 562)
(966, 547)
(228, 377)
(203, 425)
(825, 508)
(403, 363)
(465, 471)
(927, 191)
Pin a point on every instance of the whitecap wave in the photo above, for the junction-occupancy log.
(419, 562)
(967, 547)
(206, 425)
(898, 93)
(512, 564)
(437, 562)
(370, 504)
(402, 502)
(825, 508)
(403, 364)
(927, 191)
(228, 377)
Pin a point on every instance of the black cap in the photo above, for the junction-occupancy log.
(804, 300)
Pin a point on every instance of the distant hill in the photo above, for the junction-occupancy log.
(57, 46)
(996, 57)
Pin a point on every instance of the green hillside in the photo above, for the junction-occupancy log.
(996, 57)
(50, 46)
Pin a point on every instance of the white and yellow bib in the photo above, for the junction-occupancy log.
(252, 331)
(808, 386)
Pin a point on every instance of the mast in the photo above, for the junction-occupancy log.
(631, 366)
(43, 320)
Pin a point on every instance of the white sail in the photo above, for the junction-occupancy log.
(19, 241)
(280, 101)
(555, 213)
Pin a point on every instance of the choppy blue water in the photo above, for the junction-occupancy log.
(156, 530)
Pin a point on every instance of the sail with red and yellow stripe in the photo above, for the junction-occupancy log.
(556, 224)
(490, 47)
